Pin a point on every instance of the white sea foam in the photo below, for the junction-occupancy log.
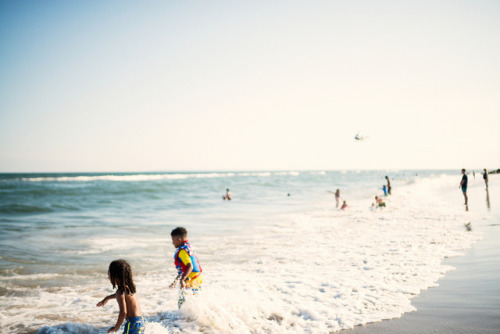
(107, 244)
(148, 177)
(287, 173)
(330, 270)
(318, 172)
(126, 178)
(316, 271)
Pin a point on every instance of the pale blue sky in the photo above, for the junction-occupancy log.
(246, 85)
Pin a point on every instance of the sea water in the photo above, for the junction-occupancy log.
(278, 258)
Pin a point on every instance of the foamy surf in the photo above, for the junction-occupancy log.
(314, 270)
(124, 177)
(327, 271)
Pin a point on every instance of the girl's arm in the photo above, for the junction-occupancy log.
(120, 298)
(105, 300)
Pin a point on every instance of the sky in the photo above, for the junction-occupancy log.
(90, 86)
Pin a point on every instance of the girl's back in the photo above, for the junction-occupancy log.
(133, 305)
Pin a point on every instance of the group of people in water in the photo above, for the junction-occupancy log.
(387, 191)
(120, 276)
(188, 277)
(378, 201)
(189, 269)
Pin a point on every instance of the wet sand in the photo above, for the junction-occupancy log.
(467, 299)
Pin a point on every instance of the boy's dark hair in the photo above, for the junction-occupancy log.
(179, 232)
(120, 274)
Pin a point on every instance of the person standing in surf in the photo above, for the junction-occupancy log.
(463, 185)
(187, 264)
(337, 197)
(388, 185)
(485, 177)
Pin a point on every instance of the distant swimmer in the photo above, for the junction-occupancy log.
(463, 185)
(485, 177)
(388, 185)
(380, 203)
(384, 188)
(344, 206)
(227, 196)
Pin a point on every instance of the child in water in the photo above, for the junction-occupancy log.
(380, 203)
(344, 205)
(120, 276)
(187, 264)
(384, 189)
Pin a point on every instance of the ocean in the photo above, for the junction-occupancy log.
(278, 258)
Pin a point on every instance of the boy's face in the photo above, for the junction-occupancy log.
(177, 241)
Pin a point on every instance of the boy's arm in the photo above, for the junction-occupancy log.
(105, 300)
(120, 298)
(174, 283)
(182, 277)
(186, 260)
(189, 269)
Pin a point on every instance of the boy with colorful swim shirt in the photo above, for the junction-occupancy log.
(187, 264)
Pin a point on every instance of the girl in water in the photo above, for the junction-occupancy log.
(120, 276)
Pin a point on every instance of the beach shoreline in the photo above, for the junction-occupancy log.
(466, 299)
(360, 279)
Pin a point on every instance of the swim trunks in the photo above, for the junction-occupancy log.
(194, 283)
(134, 325)
(464, 189)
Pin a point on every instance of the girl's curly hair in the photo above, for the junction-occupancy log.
(120, 274)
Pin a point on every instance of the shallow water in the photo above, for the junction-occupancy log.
(466, 300)
(277, 258)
